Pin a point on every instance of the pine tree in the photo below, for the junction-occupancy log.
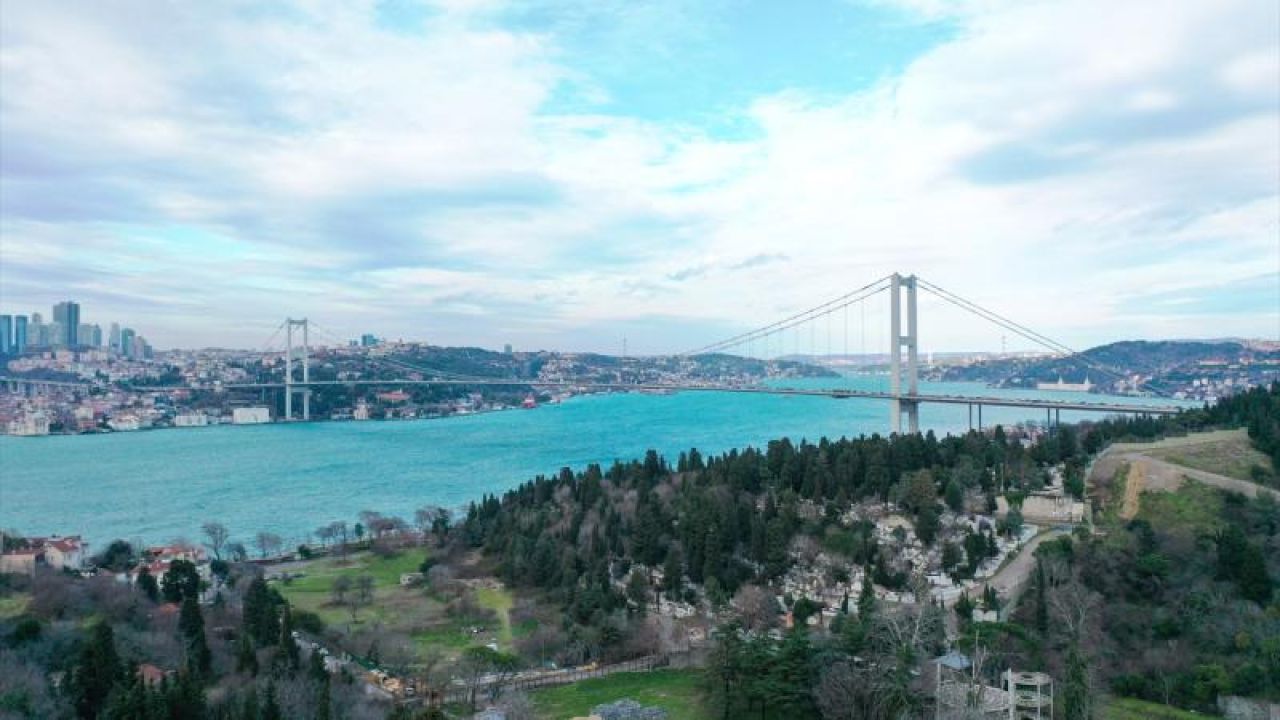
(261, 615)
(1255, 584)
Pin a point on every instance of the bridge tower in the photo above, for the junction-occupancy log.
(898, 341)
(290, 353)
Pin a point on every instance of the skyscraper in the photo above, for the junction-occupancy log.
(126, 342)
(6, 334)
(114, 340)
(19, 334)
(67, 314)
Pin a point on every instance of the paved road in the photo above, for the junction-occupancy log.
(1010, 579)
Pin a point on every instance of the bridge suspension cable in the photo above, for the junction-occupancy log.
(1025, 332)
(794, 321)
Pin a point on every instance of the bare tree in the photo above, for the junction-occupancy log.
(1072, 605)
(217, 534)
(267, 543)
(423, 518)
(517, 706)
(362, 596)
(324, 533)
(756, 606)
(339, 590)
(840, 692)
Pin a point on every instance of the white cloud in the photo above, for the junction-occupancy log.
(1058, 160)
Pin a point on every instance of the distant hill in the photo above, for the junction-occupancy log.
(1194, 368)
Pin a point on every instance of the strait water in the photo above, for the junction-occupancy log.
(289, 479)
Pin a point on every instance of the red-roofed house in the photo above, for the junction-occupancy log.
(57, 552)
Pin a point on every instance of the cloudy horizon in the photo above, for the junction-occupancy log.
(565, 175)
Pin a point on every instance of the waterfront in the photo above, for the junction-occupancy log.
(289, 479)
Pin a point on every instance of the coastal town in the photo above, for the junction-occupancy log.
(92, 382)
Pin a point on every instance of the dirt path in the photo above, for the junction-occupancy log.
(1147, 473)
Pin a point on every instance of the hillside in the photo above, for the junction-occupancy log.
(1193, 369)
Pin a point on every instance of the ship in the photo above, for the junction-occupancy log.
(529, 403)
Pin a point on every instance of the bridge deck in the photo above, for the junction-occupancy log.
(1104, 407)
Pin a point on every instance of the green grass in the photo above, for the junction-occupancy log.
(676, 691)
(1224, 453)
(312, 592)
(501, 602)
(13, 605)
(1132, 709)
(1193, 506)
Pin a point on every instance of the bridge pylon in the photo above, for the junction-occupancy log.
(897, 342)
(290, 353)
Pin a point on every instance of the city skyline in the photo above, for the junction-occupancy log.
(563, 177)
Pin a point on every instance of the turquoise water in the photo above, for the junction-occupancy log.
(290, 479)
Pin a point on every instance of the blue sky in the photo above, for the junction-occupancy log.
(564, 174)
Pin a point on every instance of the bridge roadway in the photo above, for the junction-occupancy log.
(840, 394)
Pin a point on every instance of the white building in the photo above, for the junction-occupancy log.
(191, 420)
(251, 415)
(33, 423)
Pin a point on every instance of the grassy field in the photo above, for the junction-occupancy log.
(501, 602)
(1131, 709)
(676, 691)
(13, 605)
(1225, 453)
(410, 611)
(1194, 506)
(312, 591)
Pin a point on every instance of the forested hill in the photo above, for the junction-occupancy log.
(727, 530)
(1164, 365)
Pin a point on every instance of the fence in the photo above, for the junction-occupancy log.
(462, 694)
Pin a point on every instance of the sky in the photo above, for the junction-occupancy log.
(567, 174)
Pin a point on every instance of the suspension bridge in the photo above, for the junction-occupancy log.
(903, 393)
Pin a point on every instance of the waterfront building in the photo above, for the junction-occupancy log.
(1063, 386)
(67, 553)
(19, 334)
(6, 334)
(67, 314)
(192, 419)
(250, 415)
(30, 424)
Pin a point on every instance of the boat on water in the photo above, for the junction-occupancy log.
(529, 403)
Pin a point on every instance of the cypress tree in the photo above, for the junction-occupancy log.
(148, 585)
(1042, 600)
(97, 671)
(1076, 702)
(270, 706)
(286, 639)
(246, 656)
(191, 628)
